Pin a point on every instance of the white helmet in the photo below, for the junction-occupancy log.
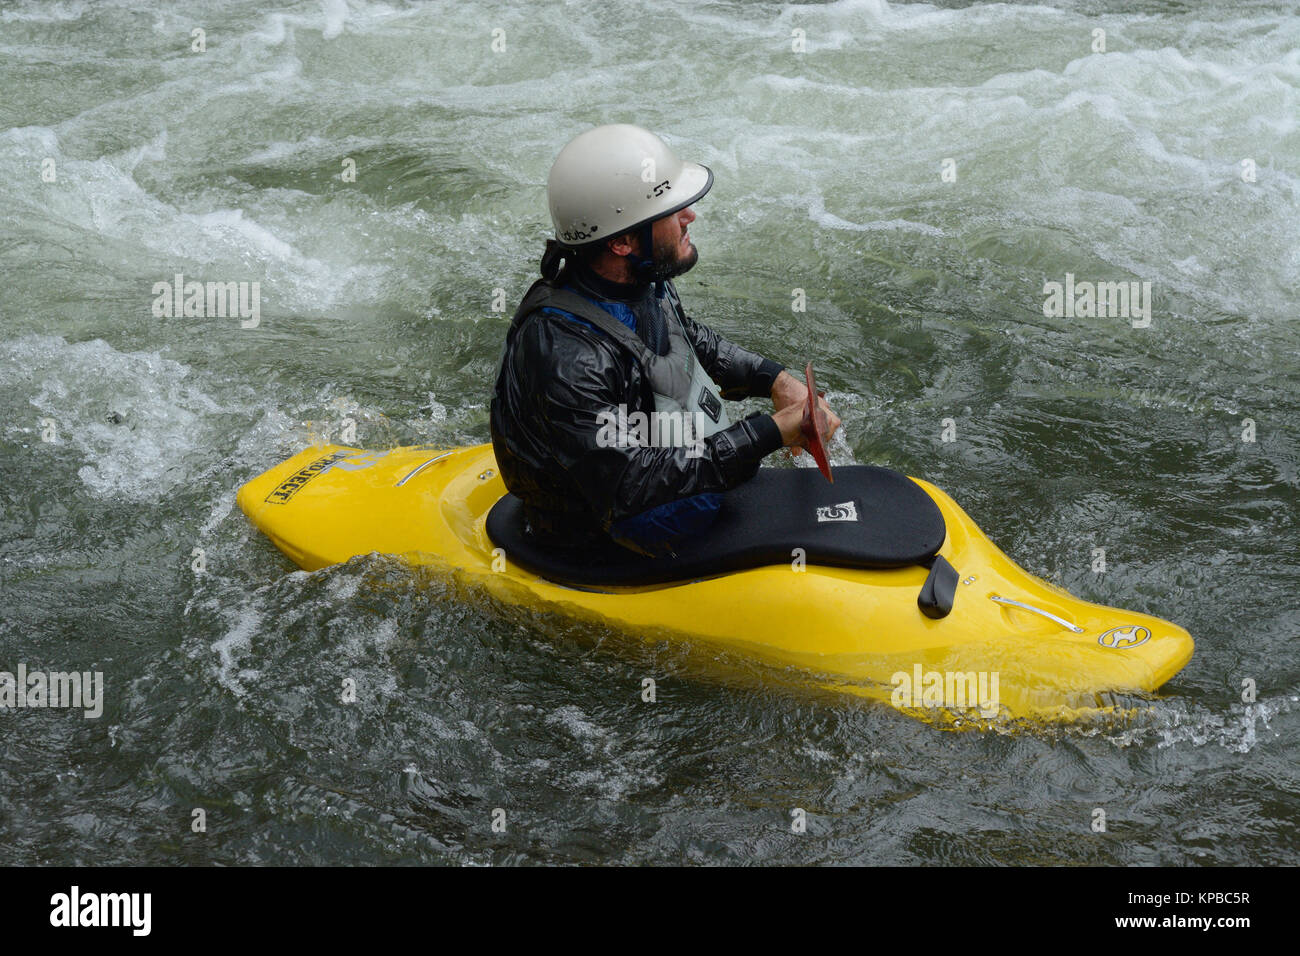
(614, 178)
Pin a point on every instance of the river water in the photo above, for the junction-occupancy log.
(919, 171)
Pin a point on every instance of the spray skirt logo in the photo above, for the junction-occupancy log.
(844, 511)
(1124, 637)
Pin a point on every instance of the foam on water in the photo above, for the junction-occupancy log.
(35, 11)
(1178, 723)
(163, 420)
(234, 645)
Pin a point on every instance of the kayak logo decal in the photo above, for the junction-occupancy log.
(1126, 636)
(347, 459)
(355, 462)
(844, 511)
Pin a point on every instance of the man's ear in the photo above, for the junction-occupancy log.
(622, 245)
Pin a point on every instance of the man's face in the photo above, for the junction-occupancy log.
(674, 251)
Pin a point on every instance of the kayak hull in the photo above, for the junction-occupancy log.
(1047, 655)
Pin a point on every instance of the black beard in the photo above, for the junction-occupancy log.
(666, 268)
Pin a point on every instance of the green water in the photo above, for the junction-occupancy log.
(924, 302)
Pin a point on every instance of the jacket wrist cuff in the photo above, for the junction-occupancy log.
(760, 385)
(743, 446)
(765, 433)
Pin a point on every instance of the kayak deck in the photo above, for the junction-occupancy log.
(870, 518)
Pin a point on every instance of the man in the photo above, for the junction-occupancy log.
(595, 347)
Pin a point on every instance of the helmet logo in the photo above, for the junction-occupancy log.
(659, 189)
(577, 235)
(1125, 636)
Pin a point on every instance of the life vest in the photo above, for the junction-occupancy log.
(689, 405)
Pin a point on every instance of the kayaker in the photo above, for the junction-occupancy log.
(598, 345)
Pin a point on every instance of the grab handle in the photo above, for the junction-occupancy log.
(419, 468)
(1037, 610)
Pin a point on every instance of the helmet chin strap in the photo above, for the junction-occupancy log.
(644, 268)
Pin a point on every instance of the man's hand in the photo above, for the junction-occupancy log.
(789, 395)
(788, 390)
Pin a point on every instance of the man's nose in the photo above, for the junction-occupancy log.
(688, 216)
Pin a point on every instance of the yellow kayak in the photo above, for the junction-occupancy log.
(1012, 646)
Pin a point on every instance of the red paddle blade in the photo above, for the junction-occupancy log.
(812, 428)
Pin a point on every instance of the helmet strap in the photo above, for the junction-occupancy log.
(643, 266)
